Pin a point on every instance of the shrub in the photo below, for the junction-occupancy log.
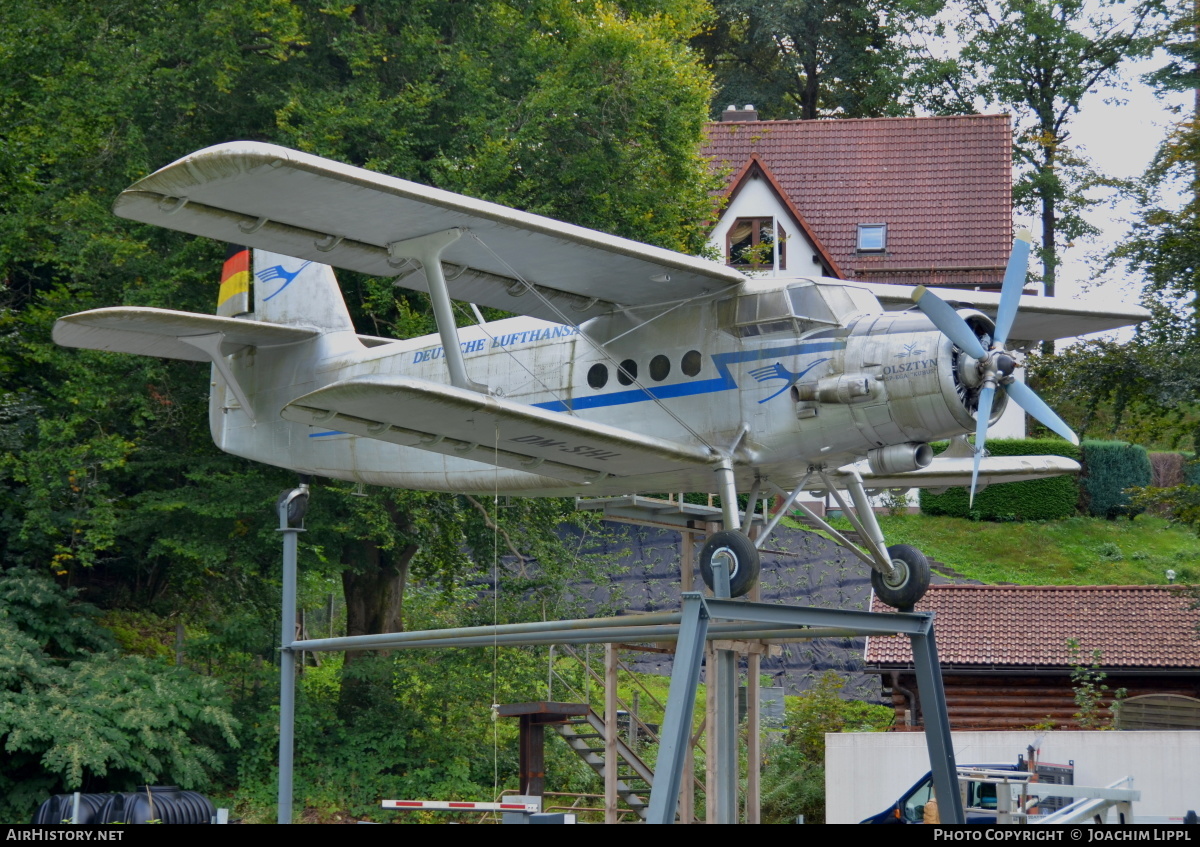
(1167, 470)
(1038, 499)
(1109, 469)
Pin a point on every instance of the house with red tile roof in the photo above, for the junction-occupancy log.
(900, 200)
(1006, 663)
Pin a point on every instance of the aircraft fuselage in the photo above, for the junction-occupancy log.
(790, 390)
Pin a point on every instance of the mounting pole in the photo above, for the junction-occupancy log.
(290, 508)
(675, 740)
(427, 249)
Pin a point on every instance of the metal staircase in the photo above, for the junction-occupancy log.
(587, 738)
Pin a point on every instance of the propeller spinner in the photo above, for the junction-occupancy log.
(994, 365)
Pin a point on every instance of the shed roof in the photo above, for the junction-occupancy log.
(943, 185)
(1028, 626)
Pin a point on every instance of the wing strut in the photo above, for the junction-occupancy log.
(211, 344)
(427, 249)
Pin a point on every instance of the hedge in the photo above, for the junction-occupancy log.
(1038, 499)
(1110, 467)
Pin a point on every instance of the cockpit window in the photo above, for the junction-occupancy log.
(808, 301)
(799, 308)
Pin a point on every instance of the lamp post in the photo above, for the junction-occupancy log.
(290, 508)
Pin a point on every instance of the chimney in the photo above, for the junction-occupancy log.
(733, 113)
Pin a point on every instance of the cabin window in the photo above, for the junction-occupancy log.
(627, 373)
(660, 368)
(598, 376)
(872, 238)
(692, 360)
(756, 243)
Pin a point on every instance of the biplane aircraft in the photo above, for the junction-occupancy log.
(628, 369)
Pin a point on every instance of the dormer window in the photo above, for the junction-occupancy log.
(757, 244)
(872, 238)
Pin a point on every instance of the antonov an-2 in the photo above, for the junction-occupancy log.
(629, 369)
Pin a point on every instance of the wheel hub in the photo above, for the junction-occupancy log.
(899, 574)
(724, 554)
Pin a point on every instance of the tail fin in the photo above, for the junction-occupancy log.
(286, 290)
(295, 291)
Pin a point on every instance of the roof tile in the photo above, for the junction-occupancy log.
(949, 176)
(1133, 626)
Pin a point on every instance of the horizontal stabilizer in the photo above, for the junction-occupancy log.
(455, 422)
(952, 472)
(162, 332)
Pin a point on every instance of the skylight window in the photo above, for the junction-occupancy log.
(872, 238)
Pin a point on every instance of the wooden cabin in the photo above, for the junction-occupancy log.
(1006, 658)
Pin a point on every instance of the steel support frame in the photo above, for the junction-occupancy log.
(698, 621)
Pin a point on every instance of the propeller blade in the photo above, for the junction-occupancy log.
(948, 321)
(1028, 400)
(1014, 284)
(982, 415)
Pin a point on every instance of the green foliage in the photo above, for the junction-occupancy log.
(1110, 468)
(793, 781)
(1180, 502)
(1074, 551)
(1097, 707)
(1039, 499)
(427, 731)
(1142, 391)
(1038, 59)
(817, 58)
(73, 719)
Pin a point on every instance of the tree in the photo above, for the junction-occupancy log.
(815, 58)
(1040, 58)
(107, 474)
(74, 716)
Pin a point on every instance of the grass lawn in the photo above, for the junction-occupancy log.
(1077, 551)
(1074, 551)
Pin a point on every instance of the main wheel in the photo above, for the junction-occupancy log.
(741, 558)
(909, 580)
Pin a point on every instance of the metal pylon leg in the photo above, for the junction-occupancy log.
(937, 726)
(681, 701)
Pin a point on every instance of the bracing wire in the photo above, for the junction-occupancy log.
(496, 614)
(597, 347)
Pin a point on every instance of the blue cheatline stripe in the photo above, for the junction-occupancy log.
(724, 382)
(323, 434)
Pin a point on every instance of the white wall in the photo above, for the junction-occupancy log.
(758, 200)
(865, 772)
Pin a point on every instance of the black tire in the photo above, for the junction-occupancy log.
(744, 560)
(910, 582)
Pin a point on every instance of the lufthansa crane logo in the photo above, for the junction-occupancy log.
(277, 273)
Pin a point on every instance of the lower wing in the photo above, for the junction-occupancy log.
(443, 419)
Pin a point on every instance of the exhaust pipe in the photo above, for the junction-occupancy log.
(900, 458)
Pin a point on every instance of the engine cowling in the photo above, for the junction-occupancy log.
(924, 388)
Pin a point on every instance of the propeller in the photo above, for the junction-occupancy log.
(994, 365)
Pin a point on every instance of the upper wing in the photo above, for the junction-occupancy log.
(1039, 318)
(443, 419)
(312, 208)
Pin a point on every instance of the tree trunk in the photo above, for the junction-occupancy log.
(1049, 238)
(373, 583)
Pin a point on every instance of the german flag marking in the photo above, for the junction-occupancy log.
(235, 273)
